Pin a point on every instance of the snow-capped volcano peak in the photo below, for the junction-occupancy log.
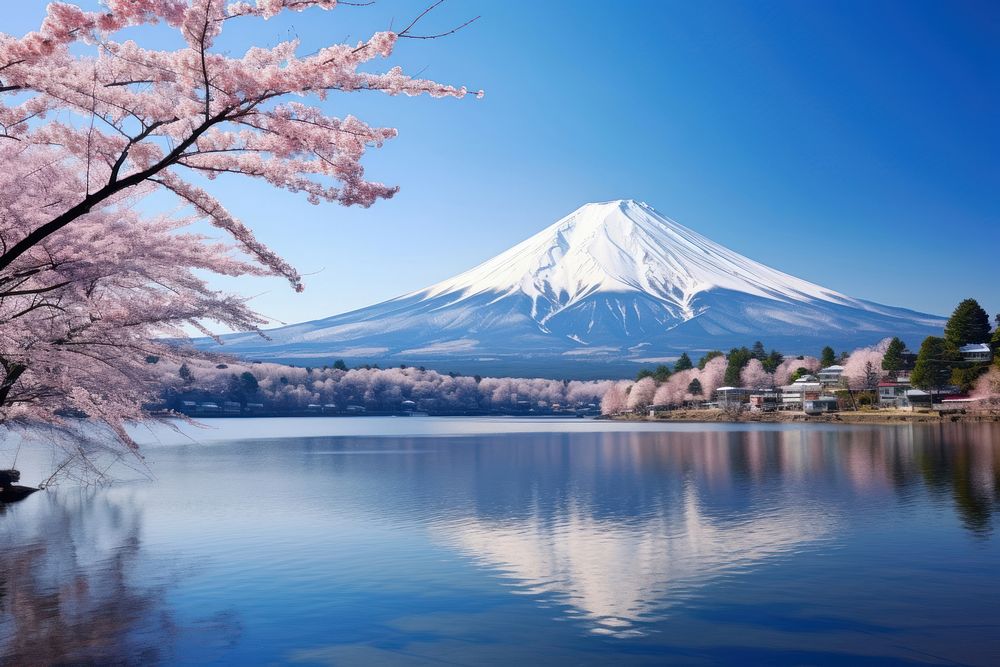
(623, 246)
(611, 283)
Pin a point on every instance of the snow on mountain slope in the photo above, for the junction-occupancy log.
(624, 246)
(611, 281)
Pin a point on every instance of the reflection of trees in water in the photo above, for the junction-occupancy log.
(76, 587)
(69, 585)
(963, 462)
(628, 474)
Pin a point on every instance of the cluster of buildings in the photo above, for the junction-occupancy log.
(815, 394)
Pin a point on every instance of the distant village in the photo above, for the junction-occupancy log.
(954, 373)
(828, 390)
(957, 372)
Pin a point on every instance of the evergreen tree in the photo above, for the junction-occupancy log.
(242, 387)
(772, 361)
(965, 376)
(934, 364)
(340, 365)
(758, 352)
(683, 363)
(827, 357)
(995, 342)
(708, 356)
(661, 374)
(694, 388)
(186, 374)
(893, 359)
(738, 358)
(968, 324)
(644, 373)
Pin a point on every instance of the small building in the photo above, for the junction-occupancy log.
(831, 376)
(892, 394)
(821, 405)
(209, 407)
(806, 387)
(919, 399)
(231, 407)
(730, 396)
(408, 406)
(976, 353)
(356, 409)
(766, 401)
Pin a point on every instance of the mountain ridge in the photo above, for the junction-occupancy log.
(612, 284)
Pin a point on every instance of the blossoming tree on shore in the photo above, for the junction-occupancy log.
(90, 126)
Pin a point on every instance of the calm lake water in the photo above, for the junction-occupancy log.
(375, 541)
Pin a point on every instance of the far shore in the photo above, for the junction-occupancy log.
(843, 417)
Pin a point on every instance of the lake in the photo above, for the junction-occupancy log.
(463, 541)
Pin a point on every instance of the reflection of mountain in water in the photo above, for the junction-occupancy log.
(616, 574)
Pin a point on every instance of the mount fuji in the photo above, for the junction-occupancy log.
(611, 285)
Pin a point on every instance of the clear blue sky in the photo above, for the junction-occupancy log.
(854, 144)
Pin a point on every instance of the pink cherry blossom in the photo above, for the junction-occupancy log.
(93, 123)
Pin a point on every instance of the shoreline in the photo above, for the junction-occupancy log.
(846, 417)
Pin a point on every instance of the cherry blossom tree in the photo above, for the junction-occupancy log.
(615, 399)
(862, 369)
(712, 375)
(642, 394)
(755, 377)
(92, 124)
(987, 387)
(783, 373)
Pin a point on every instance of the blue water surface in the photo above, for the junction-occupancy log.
(397, 541)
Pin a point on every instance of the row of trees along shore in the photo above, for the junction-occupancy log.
(275, 388)
(97, 130)
(938, 366)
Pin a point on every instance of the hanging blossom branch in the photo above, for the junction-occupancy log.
(88, 285)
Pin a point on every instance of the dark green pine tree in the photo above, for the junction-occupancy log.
(661, 374)
(893, 359)
(995, 343)
(694, 388)
(772, 361)
(968, 324)
(758, 352)
(934, 363)
(827, 357)
(683, 363)
(738, 358)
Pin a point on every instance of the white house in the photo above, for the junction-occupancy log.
(830, 376)
(806, 387)
(976, 352)
(727, 396)
(892, 394)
